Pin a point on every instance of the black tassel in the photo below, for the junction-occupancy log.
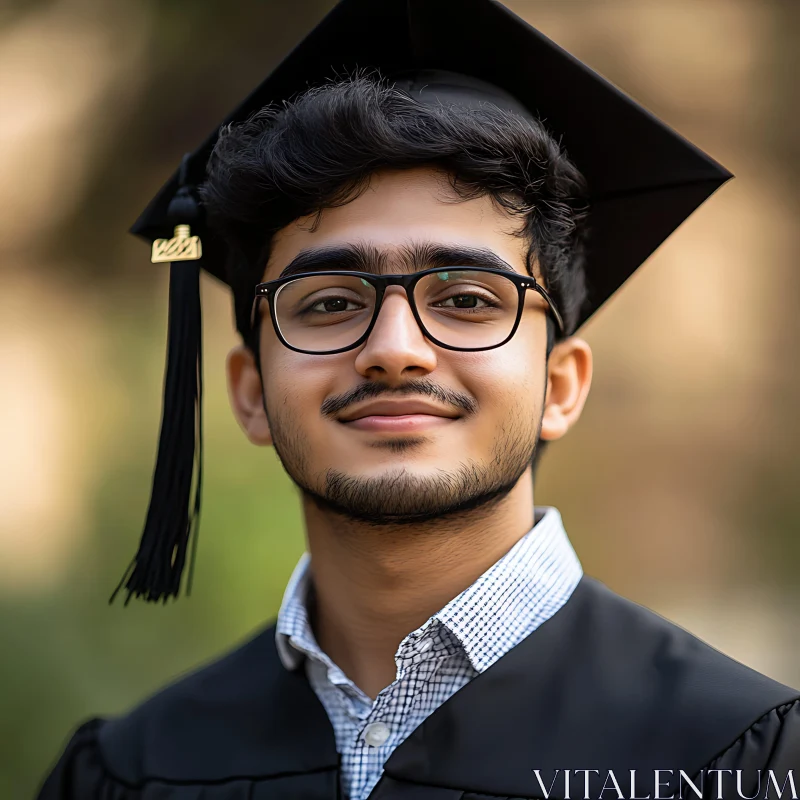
(173, 515)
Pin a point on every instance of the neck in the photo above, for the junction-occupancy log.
(374, 586)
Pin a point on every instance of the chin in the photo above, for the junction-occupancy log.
(396, 469)
(402, 494)
(392, 443)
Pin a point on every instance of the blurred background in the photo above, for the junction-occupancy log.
(678, 486)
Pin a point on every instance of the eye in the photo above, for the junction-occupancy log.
(466, 297)
(333, 305)
(466, 301)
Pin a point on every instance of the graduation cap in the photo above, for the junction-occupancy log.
(644, 180)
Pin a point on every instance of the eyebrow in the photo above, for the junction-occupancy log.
(414, 257)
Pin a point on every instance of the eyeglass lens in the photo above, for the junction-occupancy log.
(459, 307)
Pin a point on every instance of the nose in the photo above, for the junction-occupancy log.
(396, 349)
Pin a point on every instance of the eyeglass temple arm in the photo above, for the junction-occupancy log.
(552, 307)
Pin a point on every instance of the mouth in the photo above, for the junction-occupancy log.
(398, 423)
(398, 417)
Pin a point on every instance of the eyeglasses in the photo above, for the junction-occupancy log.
(458, 308)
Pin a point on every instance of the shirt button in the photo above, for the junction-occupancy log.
(376, 733)
(425, 645)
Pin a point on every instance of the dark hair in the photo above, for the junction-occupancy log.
(319, 151)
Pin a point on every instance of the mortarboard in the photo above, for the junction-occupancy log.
(643, 178)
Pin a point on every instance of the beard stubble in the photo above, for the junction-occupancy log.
(400, 497)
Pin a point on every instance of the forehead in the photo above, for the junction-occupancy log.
(399, 208)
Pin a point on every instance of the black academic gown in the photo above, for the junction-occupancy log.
(603, 685)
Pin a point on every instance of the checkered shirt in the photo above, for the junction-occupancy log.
(504, 605)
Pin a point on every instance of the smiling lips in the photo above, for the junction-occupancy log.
(398, 416)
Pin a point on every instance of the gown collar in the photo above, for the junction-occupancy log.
(602, 682)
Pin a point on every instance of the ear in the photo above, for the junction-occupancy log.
(569, 378)
(245, 395)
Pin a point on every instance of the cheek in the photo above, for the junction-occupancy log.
(510, 377)
(297, 384)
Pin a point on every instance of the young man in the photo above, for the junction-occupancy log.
(411, 251)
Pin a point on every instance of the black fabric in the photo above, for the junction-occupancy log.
(625, 153)
(604, 684)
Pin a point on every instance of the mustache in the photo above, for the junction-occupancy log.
(368, 391)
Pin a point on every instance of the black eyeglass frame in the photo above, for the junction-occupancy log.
(380, 283)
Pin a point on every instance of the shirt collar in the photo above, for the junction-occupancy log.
(293, 635)
(504, 605)
(516, 594)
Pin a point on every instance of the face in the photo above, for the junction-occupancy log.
(400, 430)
